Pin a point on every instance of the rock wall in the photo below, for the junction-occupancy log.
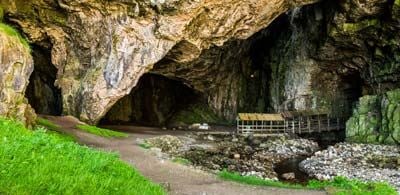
(240, 55)
(16, 65)
(101, 49)
(376, 119)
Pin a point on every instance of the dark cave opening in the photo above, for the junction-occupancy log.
(153, 102)
(352, 86)
(41, 93)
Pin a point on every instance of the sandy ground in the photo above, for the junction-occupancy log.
(178, 179)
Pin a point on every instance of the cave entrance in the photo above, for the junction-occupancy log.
(41, 93)
(352, 86)
(155, 101)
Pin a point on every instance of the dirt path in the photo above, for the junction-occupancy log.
(178, 179)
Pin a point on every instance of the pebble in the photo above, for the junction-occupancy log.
(364, 162)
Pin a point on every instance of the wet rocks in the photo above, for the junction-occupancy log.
(167, 143)
(249, 156)
(290, 147)
(288, 176)
(356, 161)
(235, 153)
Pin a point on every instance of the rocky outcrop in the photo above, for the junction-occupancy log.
(101, 49)
(16, 66)
(376, 120)
(363, 38)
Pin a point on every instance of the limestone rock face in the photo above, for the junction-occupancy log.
(376, 120)
(16, 66)
(101, 48)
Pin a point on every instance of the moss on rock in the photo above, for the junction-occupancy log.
(1, 14)
(197, 113)
(12, 32)
(376, 120)
(355, 27)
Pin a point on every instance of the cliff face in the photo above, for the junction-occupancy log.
(224, 56)
(376, 119)
(16, 65)
(101, 49)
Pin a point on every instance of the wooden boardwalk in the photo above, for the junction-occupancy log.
(287, 122)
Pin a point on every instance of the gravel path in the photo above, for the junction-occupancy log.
(178, 179)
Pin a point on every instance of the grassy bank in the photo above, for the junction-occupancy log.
(101, 131)
(35, 162)
(339, 185)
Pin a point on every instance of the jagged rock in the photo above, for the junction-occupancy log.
(101, 49)
(16, 65)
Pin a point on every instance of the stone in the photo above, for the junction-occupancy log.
(236, 156)
(210, 137)
(16, 66)
(204, 126)
(288, 176)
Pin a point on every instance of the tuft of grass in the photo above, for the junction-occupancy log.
(253, 180)
(47, 124)
(182, 161)
(145, 145)
(10, 31)
(34, 162)
(52, 128)
(338, 186)
(101, 131)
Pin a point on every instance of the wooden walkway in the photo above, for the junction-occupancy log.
(287, 122)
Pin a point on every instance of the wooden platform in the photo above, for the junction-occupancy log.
(288, 122)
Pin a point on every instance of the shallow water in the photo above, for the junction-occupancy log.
(292, 166)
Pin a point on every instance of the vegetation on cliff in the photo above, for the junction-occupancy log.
(35, 162)
(12, 32)
(376, 120)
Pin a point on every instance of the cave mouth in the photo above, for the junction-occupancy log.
(155, 101)
(41, 93)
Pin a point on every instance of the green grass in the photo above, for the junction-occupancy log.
(10, 31)
(339, 185)
(145, 145)
(47, 124)
(100, 131)
(34, 162)
(182, 161)
(53, 128)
